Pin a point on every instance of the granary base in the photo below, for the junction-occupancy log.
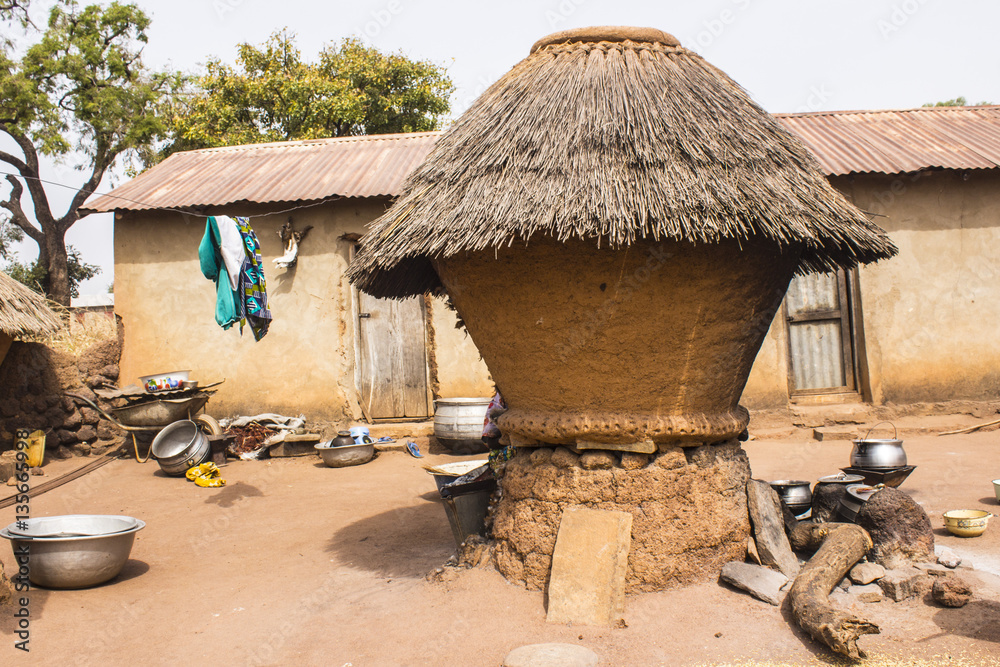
(689, 509)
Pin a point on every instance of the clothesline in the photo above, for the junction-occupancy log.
(159, 208)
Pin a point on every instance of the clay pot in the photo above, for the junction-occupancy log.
(653, 341)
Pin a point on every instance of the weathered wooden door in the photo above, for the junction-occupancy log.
(393, 357)
(820, 342)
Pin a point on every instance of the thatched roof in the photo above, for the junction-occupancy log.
(612, 134)
(24, 312)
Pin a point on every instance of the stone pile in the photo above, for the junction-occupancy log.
(33, 382)
(688, 507)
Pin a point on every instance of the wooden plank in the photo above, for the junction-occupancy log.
(393, 358)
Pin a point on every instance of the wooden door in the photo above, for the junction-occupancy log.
(393, 357)
(821, 346)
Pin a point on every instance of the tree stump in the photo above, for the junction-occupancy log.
(840, 546)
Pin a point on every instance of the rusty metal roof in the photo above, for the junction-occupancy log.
(292, 171)
(845, 142)
(893, 142)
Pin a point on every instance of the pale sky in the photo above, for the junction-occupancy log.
(791, 55)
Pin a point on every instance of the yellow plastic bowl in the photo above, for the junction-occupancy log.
(966, 523)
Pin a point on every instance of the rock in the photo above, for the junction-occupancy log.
(769, 528)
(866, 573)
(540, 455)
(7, 469)
(826, 501)
(870, 593)
(86, 433)
(80, 449)
(89, 416)
(106, 430)
(900, 528)
(933, 569)
(110, 371)
(65, 437)
(563, 458)
(903, 583)
(597, 460)
(38, 472)
(951, 591)
(949, 558)
(587, 584)
(73, 421)
(61, 453)
(102, 446)
(7, 596)
(671, 457)
(761, 582)
(551, 655)
(634, 461)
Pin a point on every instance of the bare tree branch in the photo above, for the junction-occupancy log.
(18, 216)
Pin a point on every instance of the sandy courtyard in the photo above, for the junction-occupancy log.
(293, 563)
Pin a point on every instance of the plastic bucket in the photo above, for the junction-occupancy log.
(34, 447)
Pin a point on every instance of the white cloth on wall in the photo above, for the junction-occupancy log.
(233, 252)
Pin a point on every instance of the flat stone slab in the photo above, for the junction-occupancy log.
(867, 592)
(761, 582)
(769, 528)
(551, 655)
(865, 573)
(589, 563)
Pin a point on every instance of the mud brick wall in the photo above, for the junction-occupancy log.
(33, 382)
(688, 506)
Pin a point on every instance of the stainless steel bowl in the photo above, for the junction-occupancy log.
(878, 454)
(345, 455)
(180, 446)
(77, 561)
(795, 492)
(73, 525)
(852, 501)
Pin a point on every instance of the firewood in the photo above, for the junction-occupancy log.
(838, 547)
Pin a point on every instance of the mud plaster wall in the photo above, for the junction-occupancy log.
(930, 312)
(688, 506)
(460, 370)
(306, 363)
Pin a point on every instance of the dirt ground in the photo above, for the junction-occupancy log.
(295, 563)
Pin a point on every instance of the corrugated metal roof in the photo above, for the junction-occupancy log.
(292, 171)
(845, 142)
(894, 142)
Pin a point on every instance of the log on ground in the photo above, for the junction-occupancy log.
(839, 546)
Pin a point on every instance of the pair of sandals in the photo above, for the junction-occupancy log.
(206, 475)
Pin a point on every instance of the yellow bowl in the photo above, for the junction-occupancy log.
(966, 523)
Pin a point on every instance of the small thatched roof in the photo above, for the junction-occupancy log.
(24, 312)
(612, 134)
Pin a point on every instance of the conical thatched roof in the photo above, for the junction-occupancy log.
(612, 134)
(24, 312)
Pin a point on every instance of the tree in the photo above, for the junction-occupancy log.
(80, 90)
(957, 102)
(272, 95)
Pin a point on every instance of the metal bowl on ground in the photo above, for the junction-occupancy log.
(75, 561)
(180, 446)
(966, 523)
(345, 455)
(73, 525)
(851, 503)
(795, 492)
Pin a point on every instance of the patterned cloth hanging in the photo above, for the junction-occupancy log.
(252, 287)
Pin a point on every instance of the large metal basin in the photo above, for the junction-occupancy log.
(77, 561)
(345, 455)
(74, 525)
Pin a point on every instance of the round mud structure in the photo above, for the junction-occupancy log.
(650, 342)
(688, 506)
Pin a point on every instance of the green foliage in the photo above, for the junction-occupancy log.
(272, 95)
(34, 274)
(957, 102)
(80, 90)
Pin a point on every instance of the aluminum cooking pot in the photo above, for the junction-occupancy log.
(795, 493)
(180, 446)
(878, 453)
